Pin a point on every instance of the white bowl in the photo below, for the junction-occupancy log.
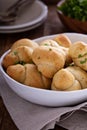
(47, 97)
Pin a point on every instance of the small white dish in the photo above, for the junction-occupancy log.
(30, 18)
(47, 97)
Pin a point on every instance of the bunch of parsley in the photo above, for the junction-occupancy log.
(76, 9)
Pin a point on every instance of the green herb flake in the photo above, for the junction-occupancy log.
(45, 44)
(83, 61)
(79, 56)
(17, 62)
(15, 52)
(82, 55)
(20, 62)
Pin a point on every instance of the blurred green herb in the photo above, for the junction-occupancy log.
(83, 61)
(76, 9)
(15, 52)
(46, 44)
(20, 62)
(82, 55)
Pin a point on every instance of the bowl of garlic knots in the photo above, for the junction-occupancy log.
(49, 71)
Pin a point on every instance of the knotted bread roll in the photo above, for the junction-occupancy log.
(20, 54)
(79, 74)
(29, 75)
(48, 60)
(70, 78)
(78, 53)
(57, 47)
(63, 40)
(49, 42)
(24, 42)
(63, 80)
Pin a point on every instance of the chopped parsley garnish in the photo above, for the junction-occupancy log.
(76, 9)
(45, 44)
(15, 52)
(20, 62)
(83, 61)
(81, 55)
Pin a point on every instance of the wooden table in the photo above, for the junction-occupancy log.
(52, 25)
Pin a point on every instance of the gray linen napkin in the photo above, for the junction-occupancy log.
(78, 121)
(29, 116)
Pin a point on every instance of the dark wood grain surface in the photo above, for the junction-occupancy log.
(52, 25)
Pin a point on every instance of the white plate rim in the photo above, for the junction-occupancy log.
(23, 28)
(28, 24)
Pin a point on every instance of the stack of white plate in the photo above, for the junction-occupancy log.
(32, 17)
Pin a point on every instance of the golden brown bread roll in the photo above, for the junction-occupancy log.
(17, 72)
(62, 80)
(10, 59)
(78, 53)
(52, 43)
(75, 86)
(65, 81)
(67, 55)
(29, 75)
(49, 42)
(57, 47)
(24, 42)
(79, 75)
(63, 40)
(70, 78)
(21, 54)
(48, 60)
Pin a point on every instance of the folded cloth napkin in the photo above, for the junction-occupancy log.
(78, 121)
(29, 116)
